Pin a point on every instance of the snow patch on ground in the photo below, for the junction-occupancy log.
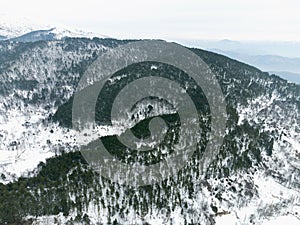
(228, 219)
(25, 141)
(281, 220)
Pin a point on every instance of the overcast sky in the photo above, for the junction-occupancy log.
(166, 19)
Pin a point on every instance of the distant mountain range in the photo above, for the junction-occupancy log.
(288, 68)
(293, 77)
(276, 57)
(290, 49)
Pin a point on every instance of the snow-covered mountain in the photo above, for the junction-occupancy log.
(24, 30)
(44, 179)
(11, 27)
(54, 34)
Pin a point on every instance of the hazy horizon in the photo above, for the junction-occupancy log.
(171, 20)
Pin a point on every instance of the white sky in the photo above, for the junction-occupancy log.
(166, 19)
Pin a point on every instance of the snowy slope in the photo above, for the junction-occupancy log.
(26, 141)
(25, 138)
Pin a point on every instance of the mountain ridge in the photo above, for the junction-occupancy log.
(259, 152)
